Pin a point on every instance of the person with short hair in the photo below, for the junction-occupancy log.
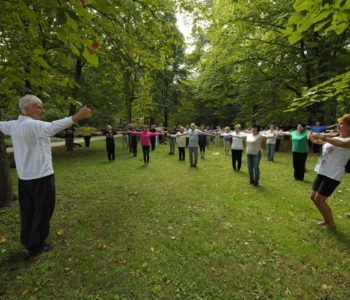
(181, 142)
(110, 143)
(300, 146)
(271, 135)
(330, 167)
(237, 146)
(227, 139)
(253, 150)
(36, 182)
(193, 134)
(145, 141)
(318, 128)
(87, 133)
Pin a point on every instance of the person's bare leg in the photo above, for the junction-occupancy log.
(324, 209)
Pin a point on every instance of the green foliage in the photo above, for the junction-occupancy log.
(323, 17)
(318, 15)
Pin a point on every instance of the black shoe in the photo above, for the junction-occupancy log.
(30, 253)
(251, 182)
(46, 247)
(256, 183)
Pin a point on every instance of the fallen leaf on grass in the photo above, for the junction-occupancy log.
(60, 232)
(262, 263)
(325, 287)
(291, 213)
(102, 246)
(2, 239)
(121, 261)
(173, 237)
(25, 292)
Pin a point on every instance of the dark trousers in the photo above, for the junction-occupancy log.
(347, 167)
(315, 148)
(299, 161)
(110, 150)
(182, 153)
(202, 148)
(145, 151)
(36, 203)
(153, 142)
(278, 143)
(87, 140)
(133, 144)
(236, 159)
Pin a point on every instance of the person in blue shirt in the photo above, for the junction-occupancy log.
(317, 128)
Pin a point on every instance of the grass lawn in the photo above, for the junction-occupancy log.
(167, 231)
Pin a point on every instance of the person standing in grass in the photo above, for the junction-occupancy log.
(145, 136)
(237, 147)
(87, 133)
(300, 147)
(133, 141)
(69, 139)
(227, 139)
(271, 135)
(330, 167)
(172, 140)
(181, 142)
(317, 128)
(36, 182)
(193, 134)
(253, 149)
(202, 142)
(153, 138)
(110, 143)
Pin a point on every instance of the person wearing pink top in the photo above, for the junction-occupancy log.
(145, 139)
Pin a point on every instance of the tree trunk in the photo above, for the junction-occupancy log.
(6, 194)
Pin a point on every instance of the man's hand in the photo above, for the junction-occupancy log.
(82, 114)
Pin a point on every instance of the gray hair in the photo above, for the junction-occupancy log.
(27, 101)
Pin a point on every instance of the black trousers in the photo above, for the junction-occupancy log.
(87, 140)
(182, 153)
(236, 159)
(277, 146)
(110, 146)
(153, 142)
(315, 148)
(133, 143)
(145, 151)
(299, 161)
(36, 203)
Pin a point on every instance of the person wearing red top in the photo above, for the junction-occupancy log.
(145, 139)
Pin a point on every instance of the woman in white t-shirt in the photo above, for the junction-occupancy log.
(330, 167)
(237, 146)
(253, 149)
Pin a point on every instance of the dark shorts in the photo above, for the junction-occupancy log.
(324, 185)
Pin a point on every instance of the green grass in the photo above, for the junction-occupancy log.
(167, 231)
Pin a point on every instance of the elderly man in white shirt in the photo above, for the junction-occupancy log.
(36, 183)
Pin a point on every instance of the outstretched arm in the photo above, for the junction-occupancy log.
(331, 140)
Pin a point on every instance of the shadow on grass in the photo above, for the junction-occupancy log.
(342, 237)
(13, 262)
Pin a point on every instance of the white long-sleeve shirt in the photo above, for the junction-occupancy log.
(32, 145)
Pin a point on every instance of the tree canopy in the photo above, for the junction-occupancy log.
(253, 61)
